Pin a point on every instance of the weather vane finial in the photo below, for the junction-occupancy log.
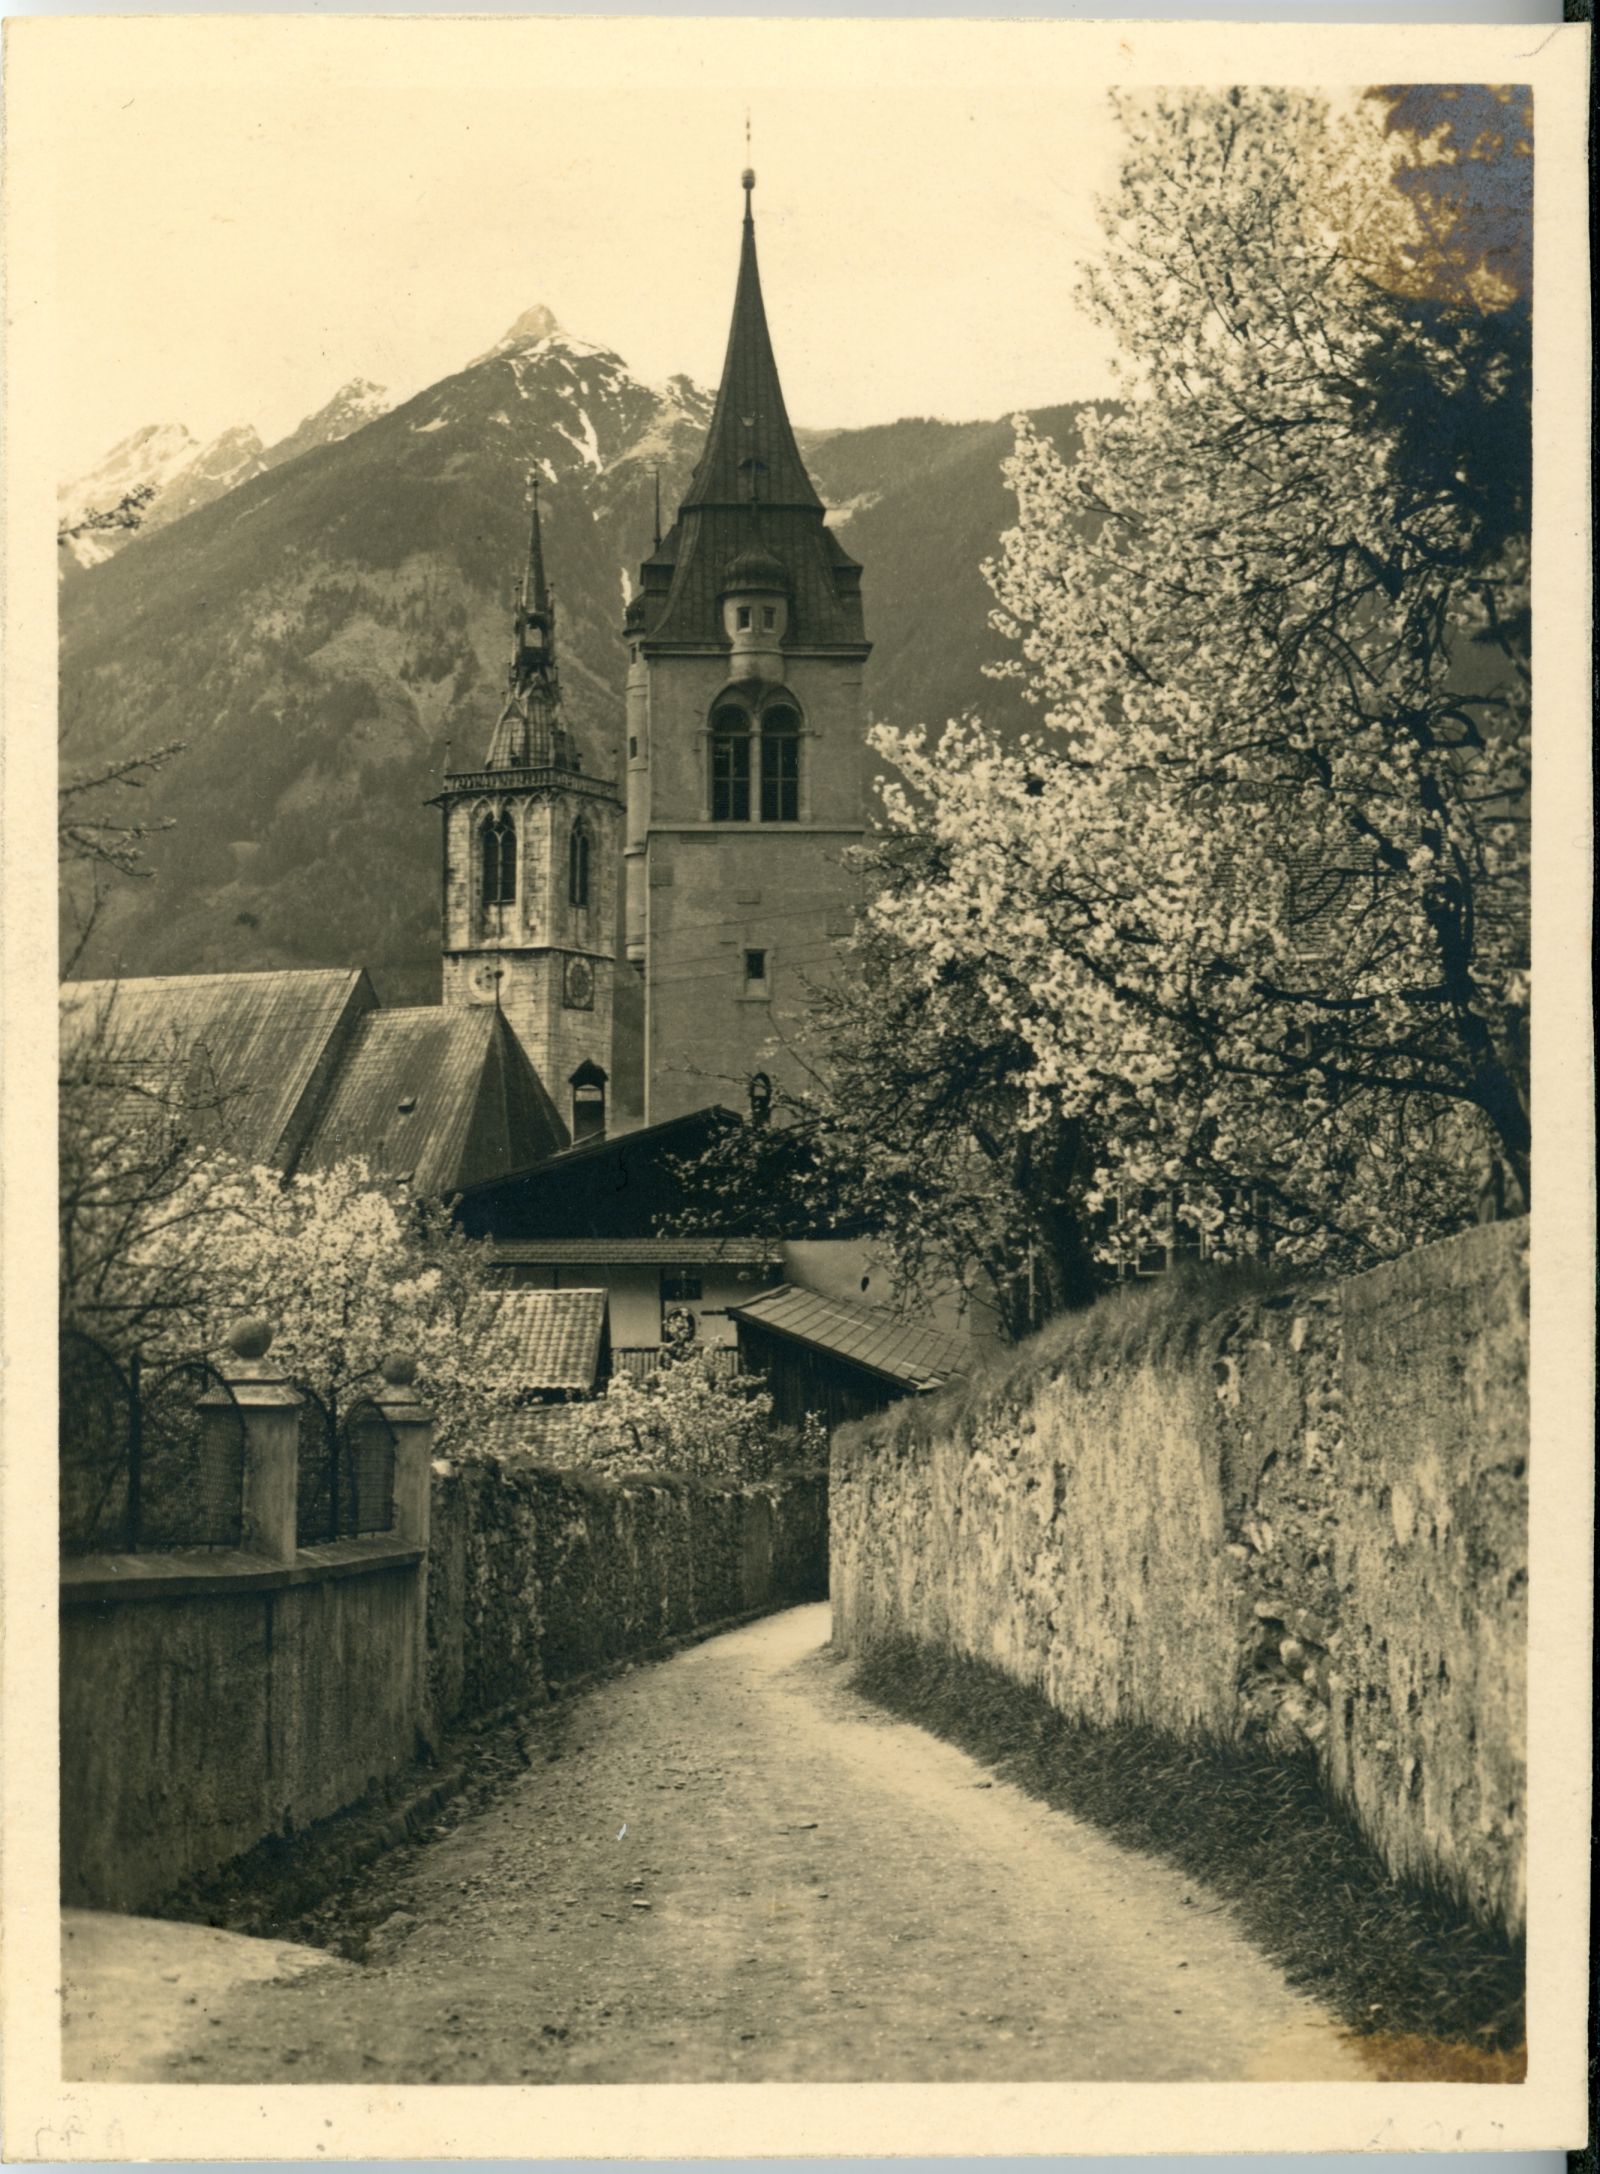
(748, 177)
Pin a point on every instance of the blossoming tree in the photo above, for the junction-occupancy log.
(1251, 902)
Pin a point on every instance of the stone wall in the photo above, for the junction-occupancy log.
(539, 1576)
(1301, 1520)
(202, 1711)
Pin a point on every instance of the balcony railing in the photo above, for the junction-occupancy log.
(642, 1360)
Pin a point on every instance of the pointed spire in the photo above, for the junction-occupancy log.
(530, 730)
(750, 454)
(535, 594)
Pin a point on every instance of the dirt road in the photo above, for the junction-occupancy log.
(737, 1870)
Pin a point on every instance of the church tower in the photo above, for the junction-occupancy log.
(530, 876)
(746, 741)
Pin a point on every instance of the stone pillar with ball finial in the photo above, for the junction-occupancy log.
(257, 1418)
(410, 1423)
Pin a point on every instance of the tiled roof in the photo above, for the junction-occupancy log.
(445, 1097)
(269, 1041)
(904, 1352)
(543, 1340)
(539, 1431)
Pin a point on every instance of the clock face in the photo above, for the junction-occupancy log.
(577, 986)
(485, 980)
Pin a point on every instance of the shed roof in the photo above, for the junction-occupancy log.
(267, 1041)
(446, 1098)
(542, 1340)
(907, 1353)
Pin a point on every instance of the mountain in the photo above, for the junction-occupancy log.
(322, 633)
(186, 474)
(351, 408)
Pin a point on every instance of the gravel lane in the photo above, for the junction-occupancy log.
(738, 1870)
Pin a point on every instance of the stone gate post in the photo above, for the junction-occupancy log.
(259, 1400)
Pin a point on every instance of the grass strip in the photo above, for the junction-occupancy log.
(1400, 1961)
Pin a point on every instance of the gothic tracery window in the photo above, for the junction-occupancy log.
(755, 764)
(497, 840)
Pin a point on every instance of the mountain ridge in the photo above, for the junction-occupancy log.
(322, 632)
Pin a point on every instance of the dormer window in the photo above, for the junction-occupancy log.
(578, 866)
(497, 844)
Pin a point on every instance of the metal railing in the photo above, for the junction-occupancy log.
(641, 1361)
(346, 1469)
(143, 1466)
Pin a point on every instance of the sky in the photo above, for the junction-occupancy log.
(232, 243)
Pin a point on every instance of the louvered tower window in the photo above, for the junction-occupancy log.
(780, 766)
(578, 866)
(730, 766)
(498, 853)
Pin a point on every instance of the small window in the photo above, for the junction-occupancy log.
(498, 851)
(633, 747)
(578, 866)
(769, 616)
(741, 615)
(755, 966)
(681, 1286)
(780, 767)
(730, 766)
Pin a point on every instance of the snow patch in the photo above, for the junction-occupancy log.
(420, 429)
(588, 445)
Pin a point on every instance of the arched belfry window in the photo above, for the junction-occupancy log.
(497, 841)
(578, 866)
(730, 764)
(588, 1103)
(780, 765)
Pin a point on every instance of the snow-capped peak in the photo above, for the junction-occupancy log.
(530, 329)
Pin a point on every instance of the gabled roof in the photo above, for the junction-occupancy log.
(621, 1186)
(446, 1098)
(542, 1341)
(269, 1041)
(906, 1353)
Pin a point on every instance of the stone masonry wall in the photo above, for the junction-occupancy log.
(1303, 1521)
(538, 1576)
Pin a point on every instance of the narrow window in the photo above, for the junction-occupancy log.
(741, 615)
(578, 866)
(780, 767)
(755, 966)
(588, 1103)
(498, 852)
(730, 767)
(769, 616)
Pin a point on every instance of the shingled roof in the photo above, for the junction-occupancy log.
(269, 1041)
(446, 1098)
(539, 1342)
(906, 1353)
